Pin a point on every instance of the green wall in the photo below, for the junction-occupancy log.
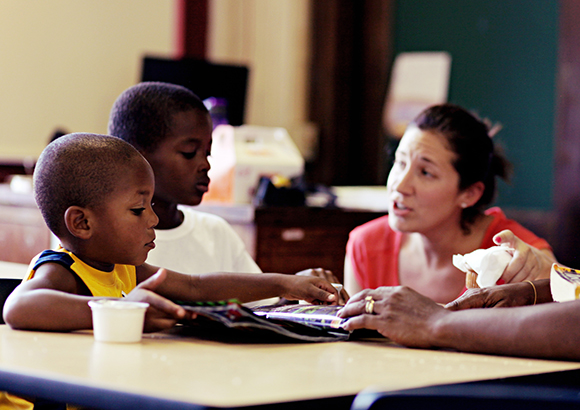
(504, 64)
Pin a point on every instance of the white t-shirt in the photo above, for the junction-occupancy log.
(203, 243)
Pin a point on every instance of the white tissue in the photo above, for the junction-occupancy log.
(489, 264)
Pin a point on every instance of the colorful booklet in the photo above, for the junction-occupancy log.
(323, 316)
(312, 323)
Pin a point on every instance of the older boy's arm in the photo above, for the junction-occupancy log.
(249, 287)
(241, 286)
(48, 302)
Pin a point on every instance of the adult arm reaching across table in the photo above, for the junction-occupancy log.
(544, 331)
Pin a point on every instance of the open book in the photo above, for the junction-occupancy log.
(313, 323)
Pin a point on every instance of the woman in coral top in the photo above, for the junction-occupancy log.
(442, 181)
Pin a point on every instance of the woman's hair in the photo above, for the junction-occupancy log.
(477, 159)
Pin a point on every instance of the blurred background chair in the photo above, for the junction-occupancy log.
(6, 288)
(559, 390)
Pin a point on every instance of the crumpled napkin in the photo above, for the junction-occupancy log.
(489, 264)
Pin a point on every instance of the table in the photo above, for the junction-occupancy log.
(171, 371)
(12, 270)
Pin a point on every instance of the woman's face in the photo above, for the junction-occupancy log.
(423, 185)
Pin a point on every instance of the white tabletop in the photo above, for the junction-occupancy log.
(179, 369)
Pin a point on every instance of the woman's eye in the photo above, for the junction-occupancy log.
(137, 211)
(189, 155)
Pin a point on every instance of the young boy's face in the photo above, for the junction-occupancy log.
(123, 226)
(180, 163)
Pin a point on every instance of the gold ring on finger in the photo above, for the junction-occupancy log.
(369, 305)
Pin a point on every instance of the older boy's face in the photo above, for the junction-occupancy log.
(180, 163)
(123, 226)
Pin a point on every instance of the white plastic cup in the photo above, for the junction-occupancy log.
(118, 321)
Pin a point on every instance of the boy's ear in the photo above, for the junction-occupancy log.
(471, 195)
(77, 223)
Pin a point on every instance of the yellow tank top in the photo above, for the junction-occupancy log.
(117, 283)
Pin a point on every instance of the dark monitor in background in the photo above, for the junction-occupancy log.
(222, 86)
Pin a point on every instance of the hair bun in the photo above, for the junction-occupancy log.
(492, 129)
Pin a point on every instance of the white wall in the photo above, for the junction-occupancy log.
(63, 63)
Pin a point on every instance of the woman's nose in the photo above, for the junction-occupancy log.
(402, 181)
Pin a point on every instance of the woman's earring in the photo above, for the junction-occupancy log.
(463, 205)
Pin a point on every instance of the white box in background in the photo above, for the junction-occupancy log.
(241, 155)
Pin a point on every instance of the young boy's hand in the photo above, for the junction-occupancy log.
(329, 276)
(314, 290)
(162, 313)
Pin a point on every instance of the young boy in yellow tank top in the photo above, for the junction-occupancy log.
(95, 194)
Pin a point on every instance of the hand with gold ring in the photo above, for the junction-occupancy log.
(398, 313)
(369, 305)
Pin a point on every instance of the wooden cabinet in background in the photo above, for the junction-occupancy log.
(290, 239)
(283, 239)
(23, 233)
